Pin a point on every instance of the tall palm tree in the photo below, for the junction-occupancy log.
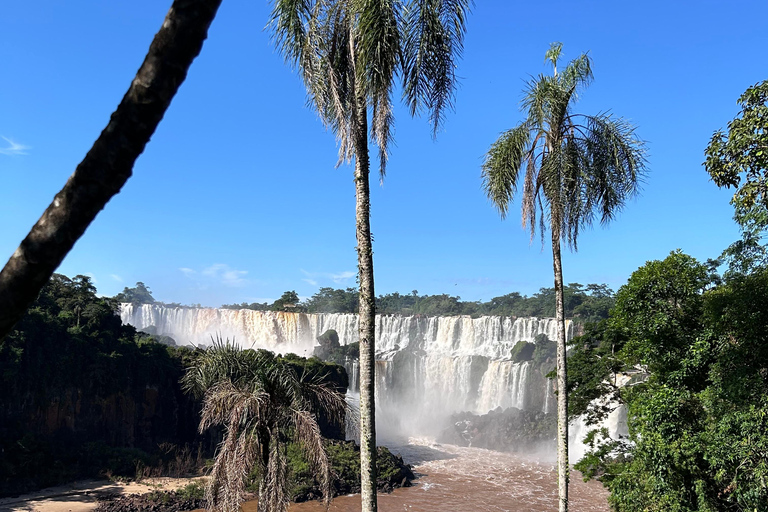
(109, 163)
(574, 168)
(260, 401)
(350, 54)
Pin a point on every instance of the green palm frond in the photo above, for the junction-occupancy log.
(578, 73)
(434, 40)
(350, 52)
(289, 24)
(378, 52)
(502, 165)
(553, 54)
(577, 168)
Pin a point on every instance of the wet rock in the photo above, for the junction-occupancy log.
(510, 430)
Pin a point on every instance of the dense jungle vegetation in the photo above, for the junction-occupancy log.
(691, 347)
(82, 395)
(697, 350)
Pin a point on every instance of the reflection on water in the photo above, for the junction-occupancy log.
(457, 479)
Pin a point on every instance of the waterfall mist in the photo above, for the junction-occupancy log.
(426, 367)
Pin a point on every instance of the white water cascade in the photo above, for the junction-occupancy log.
(426, 367)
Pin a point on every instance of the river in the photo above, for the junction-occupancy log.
(453, 478)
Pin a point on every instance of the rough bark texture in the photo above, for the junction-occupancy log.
(562, 396)
(367, 321)
(109, 163)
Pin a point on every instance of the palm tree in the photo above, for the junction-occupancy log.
(109, 163)
(574, 168)
(259, 400)
(349, 54)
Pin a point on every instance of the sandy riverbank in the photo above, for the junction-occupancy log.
(82, 496)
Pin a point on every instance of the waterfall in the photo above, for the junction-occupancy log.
(426, 366)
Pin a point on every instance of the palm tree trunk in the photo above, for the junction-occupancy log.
(109, 163)
(367, 322)
(562, 395)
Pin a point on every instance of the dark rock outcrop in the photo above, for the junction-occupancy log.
(510, 430)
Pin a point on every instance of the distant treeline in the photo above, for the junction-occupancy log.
(588, 303)
(585, 303)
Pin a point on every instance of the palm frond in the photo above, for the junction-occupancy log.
(272, 495)
(577, 74)
(289, 24)
(617, 164)
(540, 92)
(553, 54)
(260, 400)
(434, 41)
(307, 432)
(502, 164)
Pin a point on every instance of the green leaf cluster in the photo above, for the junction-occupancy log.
(697, 404)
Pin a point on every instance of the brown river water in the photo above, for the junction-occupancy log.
(452, 478)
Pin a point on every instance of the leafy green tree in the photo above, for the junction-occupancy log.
(349, 54)
(109, 163)
(573, 167)
(739, 159)
(698, 349)
(140, 294)
(262, 404)
(329, 300)
(288, 301)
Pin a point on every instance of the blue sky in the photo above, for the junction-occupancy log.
(236, 198)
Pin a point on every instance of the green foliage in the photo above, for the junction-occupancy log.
(255, 306)
(344, 457)
(289, 301)
(329, 300)
(522, 351)
(70, 354)
(698, 416)
(739, 158)
(544, 350)
(584, 304)
(329, 337)
(140, 294)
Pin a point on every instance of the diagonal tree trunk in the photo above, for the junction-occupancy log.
(367, 315)
(562, 395)
(109, 163)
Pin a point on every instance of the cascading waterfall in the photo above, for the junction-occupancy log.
(427, 367)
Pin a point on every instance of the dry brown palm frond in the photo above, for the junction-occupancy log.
(225, 403)
(275, 481)
(311, 441)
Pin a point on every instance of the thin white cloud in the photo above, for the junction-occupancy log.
(14, 148)
(342, 276)
(225, 274)
(217, 274)
(315, 278)
(116, 278)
